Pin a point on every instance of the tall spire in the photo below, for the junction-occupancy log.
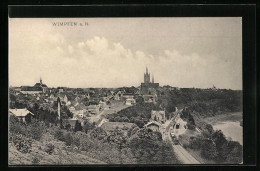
(146, 70)
(41, 80)
(152, 79)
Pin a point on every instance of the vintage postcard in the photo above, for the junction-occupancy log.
(103, 91)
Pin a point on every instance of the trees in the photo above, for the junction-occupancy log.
(209, 150)
(87, 126)
(78, 126)
(148, 147)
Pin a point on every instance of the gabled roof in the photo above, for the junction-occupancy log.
(153, 123)
(20, 112)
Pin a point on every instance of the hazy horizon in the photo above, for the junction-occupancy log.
(114, 52)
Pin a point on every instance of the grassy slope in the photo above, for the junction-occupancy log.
(61, 155)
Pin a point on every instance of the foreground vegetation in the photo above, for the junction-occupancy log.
(213, 146)
(36, 143)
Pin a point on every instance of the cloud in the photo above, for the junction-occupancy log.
(99, 62)
(70, 49)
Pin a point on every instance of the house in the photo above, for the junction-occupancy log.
(70, 122)
(60, 90)
(128, 95)
(153, 125)
(158, 116)
(80, 110)
(72, 109)
(124, 126)
(118, 95)
(150, 98)
(101, 121)
(93, 109)
(68, 103)
(52, 96)
(130, 102)
(21, 113)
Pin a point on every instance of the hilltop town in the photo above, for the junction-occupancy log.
(145, 124)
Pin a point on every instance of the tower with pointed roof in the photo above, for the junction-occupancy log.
(146, 76)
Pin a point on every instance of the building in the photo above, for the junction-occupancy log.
(118, 95)
(71, 122)
(158, 116)
(153, 125)
(36, 89)
(101, 121)
(30, 90)
(93, 109)
(41, 85)
(130, 101)
(147, 84)
(21, 113)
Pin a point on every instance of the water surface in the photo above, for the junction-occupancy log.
(231, 129)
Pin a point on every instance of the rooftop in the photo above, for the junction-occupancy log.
(20, 112)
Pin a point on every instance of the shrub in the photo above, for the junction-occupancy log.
(68, 139)
(22, 143)
(16, 126)
(36, 129)
(35, 160)
(49, 148)
(78, 126)
(59, 135)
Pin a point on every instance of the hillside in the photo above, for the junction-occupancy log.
(61, 154)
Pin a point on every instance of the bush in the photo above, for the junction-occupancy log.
(16, 126)
(35, 160)
(49, 148)
(68, 139)
(59, 135)
(22, 143)
(36, 129)
(78, 126)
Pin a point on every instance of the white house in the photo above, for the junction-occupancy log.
(130, 102)
(20, 113)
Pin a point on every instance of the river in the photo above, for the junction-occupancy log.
(231, 129)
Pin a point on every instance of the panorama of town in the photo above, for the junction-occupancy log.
(148, 124)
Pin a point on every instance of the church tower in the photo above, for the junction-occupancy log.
(153, 80)
(147, 76)
(58, 101)
(41, 80)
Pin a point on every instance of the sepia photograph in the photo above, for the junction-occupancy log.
(125, 91)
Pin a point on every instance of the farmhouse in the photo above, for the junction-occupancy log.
(21, 113)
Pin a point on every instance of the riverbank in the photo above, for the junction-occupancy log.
(231, 117)
(229, 124)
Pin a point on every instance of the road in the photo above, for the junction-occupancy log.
(184, 156)
(181, 153)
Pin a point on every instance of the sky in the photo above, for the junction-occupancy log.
(114, 52)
